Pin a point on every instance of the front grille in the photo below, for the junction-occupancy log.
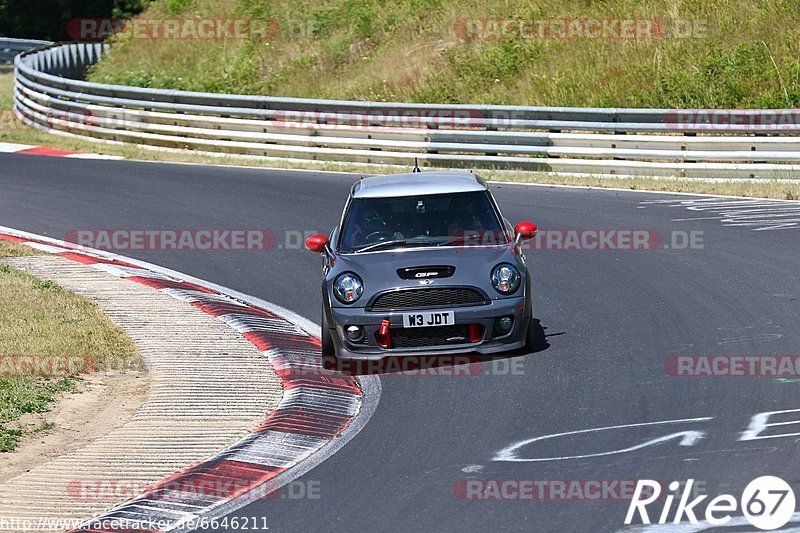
(427, 298)
(435, 336)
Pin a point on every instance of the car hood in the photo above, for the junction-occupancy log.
(473, 265)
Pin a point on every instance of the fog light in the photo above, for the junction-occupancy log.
(354, 333)
(505, 323)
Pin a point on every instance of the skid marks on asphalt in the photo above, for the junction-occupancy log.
(753, 213)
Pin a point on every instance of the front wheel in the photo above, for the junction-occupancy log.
(532, 335)
(327, 341)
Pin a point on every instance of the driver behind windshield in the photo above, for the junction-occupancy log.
(367, 226)
(418, 220)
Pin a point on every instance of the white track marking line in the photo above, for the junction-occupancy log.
(685, 527)
(95, 156)
(759, 215)
(10, 148)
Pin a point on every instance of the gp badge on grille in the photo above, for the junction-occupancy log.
(426, 272)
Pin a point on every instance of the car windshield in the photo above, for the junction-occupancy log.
(435, 220)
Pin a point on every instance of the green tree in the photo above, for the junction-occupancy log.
(47, 19)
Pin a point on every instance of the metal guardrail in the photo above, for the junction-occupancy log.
(11, 48)
(50, 93)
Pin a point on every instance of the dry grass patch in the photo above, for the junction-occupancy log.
(11, 249)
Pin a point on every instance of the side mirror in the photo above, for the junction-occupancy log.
(526, 230)
(317, 243)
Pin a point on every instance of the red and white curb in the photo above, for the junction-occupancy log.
(27, 149)
(318, 414)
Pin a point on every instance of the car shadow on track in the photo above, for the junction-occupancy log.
(432, 364)
(540, 343)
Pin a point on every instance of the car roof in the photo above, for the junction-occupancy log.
(417, 183)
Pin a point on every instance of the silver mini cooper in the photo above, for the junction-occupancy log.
(424, 264)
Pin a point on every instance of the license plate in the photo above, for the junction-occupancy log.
(426, 320)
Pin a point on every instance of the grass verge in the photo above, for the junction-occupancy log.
(48, 337)
(698, 54)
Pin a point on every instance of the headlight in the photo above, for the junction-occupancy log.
(348, 288)
(505, 278)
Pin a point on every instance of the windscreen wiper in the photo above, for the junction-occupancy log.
(462, 239)
(393, 243)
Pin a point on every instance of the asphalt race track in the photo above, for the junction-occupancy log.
(612, 320)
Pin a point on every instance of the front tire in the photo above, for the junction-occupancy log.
(328, 349)
(531, 337)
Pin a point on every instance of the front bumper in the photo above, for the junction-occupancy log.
(493, 341)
